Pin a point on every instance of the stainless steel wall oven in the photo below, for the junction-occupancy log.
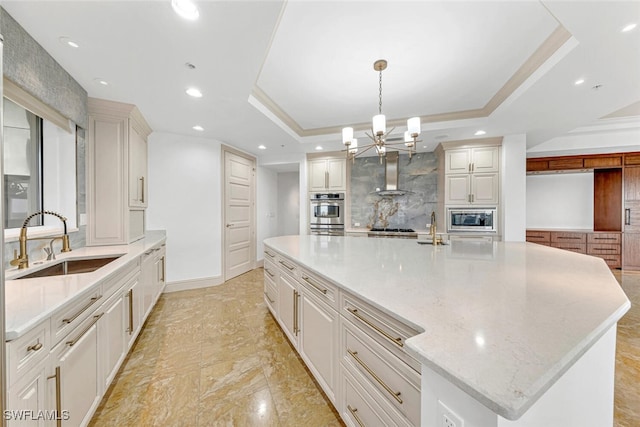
(326, 214)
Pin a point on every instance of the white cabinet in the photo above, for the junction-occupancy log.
(133, 309)
(28, 396)
(319, 328)
(288, 296)
(116, 173)
(112, 338)
(471, 174)
(327, 174)
(75, 385)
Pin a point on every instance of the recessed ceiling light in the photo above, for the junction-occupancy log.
(67, 40)
(578, 82)
(480, 132)
(100, 81)
(192, 91)
(629, 27)
(318, 148)
(198, 128)
(186, 9)
(262, 147)
(189, 65)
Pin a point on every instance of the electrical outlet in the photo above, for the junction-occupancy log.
(448, 418)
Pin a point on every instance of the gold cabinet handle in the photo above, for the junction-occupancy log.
(269, 272)
(357, 418)
(130, 295)
(396, 341)
(82, 310)
(309, 281)
(56, 375)
(287, 265)
(295, 312)
(394, 394)
(269, 298)
(35, 347)
(74, 341)
(142, 185)
(270, 254)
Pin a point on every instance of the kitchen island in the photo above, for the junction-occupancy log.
(508, 334)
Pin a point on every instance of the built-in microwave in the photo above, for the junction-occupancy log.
(472, 219)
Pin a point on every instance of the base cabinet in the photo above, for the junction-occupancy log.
(74, 385)
(362, 369)
(28, 396)
(112, 343)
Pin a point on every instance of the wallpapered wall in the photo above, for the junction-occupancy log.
(418, 175)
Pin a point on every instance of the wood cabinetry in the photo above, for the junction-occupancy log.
(567, 163)
(471, 174)
(607, 246)
(631, 244)
(327, 174)
(116, 172)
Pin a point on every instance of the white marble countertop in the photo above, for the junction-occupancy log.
(30, 301)
(502, 321)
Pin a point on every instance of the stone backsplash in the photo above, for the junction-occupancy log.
(413, 210)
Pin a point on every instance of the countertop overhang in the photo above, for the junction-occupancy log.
(502, 321)
(30, 301)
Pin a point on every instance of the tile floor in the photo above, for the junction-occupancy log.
(215, 356)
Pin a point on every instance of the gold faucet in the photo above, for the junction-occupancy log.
(22, 260)
(432, 231)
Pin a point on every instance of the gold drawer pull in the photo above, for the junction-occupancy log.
(353, 412)
(270, 254)
(35, 347)
(82, 310)
(269, 298)
(287, 265)
(74, 341)
(56, 376)
(394, 394)
(570, 237)
(396, 341)
(269, 272)
(309, 281)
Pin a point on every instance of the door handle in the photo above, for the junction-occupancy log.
(229, 225)
(627, 216)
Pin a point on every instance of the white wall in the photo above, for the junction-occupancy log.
(514, 187)
(288, 203)
(267, 207)
(185, 200)
(562, 200)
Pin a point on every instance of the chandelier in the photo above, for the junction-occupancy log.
(379, 130)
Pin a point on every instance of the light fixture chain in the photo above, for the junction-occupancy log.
(380, 95)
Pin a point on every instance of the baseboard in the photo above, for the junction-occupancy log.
(260, 263)
(185, 285)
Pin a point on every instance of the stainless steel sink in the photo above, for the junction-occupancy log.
(72, 266)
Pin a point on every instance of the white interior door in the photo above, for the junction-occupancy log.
(239, 214)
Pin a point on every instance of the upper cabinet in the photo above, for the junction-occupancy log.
(116, 173)
(568, 163)
(327, 174)
(471, 173)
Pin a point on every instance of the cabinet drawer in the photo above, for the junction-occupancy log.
(71, 315)
(359, 408)
(320, 287)
(568, 237)
(271, 294)
(25, 352)
(580, 248)
(397, 382)
(603, 249)
(121, 277)
(608, 238)
(613, 261)
(270, 270)
(538, 236)
(270, 255)
(289, 267)
(603, 162)
(387, 331)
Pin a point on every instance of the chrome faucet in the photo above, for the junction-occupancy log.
(432, 231)
(22, 260)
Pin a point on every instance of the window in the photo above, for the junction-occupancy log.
(22, 164)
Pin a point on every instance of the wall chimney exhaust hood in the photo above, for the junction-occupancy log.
(391, 172)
